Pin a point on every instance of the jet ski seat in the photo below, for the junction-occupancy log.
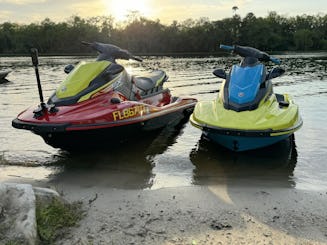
(150, 81)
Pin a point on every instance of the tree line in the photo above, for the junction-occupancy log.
(145, 36)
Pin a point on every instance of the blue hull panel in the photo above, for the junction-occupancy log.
(244, 143)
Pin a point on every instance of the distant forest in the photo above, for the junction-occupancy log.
(144, 36)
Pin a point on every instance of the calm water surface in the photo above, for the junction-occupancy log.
(177, 157)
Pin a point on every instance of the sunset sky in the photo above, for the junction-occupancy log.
(27, 11)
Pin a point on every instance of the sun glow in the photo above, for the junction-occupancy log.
(120, 9)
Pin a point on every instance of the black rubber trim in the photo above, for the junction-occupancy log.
(39, 128)
(233, 132)
(246, 133)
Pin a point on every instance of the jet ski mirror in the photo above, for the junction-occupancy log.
(137, 59)
(68, 68)
(220, 73)
(275, 72)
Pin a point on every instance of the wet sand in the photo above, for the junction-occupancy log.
(225, 198)
(208, 197)
(199, 215)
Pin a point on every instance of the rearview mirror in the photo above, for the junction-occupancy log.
(220, 73)
(68, 68)
(275, 72)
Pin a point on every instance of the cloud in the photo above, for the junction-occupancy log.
(195, 9)
(4, 15)
(22, 2)
(86, 9)
(25, 11)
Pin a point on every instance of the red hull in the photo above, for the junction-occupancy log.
(101, 116)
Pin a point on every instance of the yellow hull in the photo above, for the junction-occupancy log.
(271, 122)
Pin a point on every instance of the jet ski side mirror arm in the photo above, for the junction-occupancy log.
(220, 73)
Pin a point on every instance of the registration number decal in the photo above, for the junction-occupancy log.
(130, 112)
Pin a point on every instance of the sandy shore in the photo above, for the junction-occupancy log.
(199, 215)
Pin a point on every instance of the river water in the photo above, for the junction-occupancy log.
(176, 157)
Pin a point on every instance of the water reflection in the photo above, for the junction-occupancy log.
(126, 166)
(272, 166)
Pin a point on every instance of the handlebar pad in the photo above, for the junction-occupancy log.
(226, 47)
(245, 51)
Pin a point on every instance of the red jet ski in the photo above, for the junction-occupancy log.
(100, 103)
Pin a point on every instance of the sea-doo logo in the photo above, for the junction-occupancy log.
(241, 94)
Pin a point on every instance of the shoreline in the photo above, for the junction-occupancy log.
(199, 215)
(173, 54)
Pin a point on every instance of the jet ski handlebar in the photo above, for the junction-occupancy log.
(111, 52)
(250, 52)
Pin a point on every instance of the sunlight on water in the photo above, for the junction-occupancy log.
(174, 158)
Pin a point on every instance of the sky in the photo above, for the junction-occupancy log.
(28, 11)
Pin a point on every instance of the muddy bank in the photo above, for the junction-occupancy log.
(199, 215)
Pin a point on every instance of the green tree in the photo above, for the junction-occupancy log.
(142, 35)
(303, 39)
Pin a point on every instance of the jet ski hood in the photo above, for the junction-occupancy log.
(79, 78)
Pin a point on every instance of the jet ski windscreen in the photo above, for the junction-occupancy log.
(245, 83)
